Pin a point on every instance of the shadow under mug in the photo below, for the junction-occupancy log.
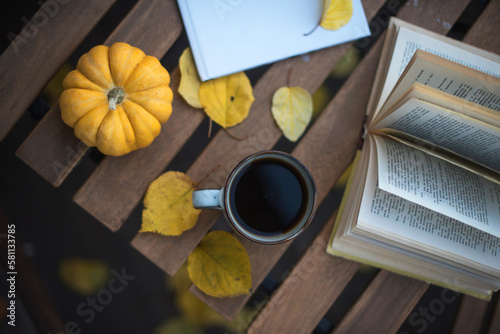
(269, 197)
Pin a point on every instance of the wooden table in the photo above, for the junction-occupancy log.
(118, 185)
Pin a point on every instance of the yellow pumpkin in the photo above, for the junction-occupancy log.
(116, 99)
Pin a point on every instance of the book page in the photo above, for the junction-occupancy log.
(408, 41)
(470, 138)
(391, 216)
(448, 77)
(438, 185)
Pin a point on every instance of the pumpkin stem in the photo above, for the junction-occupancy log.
(115, 96)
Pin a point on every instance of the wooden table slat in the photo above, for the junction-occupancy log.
(308, 292)
(260, 132)
(320, 147)
(470, 316)
(484, 32)
(384, 305)
(39, 50)
(52, 149)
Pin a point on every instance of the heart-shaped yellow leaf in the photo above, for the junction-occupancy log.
(292, 110)
(168, 206)
(227, 100)
(336, 14)
(220, 266)
(189, 87)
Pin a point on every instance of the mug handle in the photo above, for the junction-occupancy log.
(208, 199)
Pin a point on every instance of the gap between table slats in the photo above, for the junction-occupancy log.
(36, 54)
(321, 150)
(260, 132)
(266, 324)
(52, 149)
(494, 325)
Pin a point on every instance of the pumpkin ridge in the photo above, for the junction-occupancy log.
(100, 123)
(129, 55)
(93, 64)
(65, 112)
(146, 89)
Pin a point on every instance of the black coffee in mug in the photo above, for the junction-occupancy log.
(269, 196)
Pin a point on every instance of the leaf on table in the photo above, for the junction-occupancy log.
(168, 205)
(227, 100)
(336, 14)
(84, 276)
(193, 309)
(346, 65)
(189, 86)
(197, 313)
(220, 266)
(292, 110)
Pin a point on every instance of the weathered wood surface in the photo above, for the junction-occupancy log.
(470, 316)
(384, 305)
(52, 149)
(36, 54)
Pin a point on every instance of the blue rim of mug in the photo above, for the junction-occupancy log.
(299, 227)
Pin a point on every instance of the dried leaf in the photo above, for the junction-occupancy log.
(292, 110)
(168, 206)
(336, 14)
(189, 86)
(220, 266)
(84, 276)
(197, 313)
(227, 100)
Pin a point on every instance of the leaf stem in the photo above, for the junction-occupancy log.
(233, 135)
(210, 128)
(289, 76)
(314, 29)
(195, 185)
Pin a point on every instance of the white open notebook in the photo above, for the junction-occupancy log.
(229, 36)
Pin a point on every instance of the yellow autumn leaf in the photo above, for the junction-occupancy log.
(336, 14)
(220, 266)
(168, 206)
(292, 110)
(197, 313)
(189, 87)
(84, 276)
(227, 100)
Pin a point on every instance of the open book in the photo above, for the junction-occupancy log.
(228, 36)
(423, 198)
